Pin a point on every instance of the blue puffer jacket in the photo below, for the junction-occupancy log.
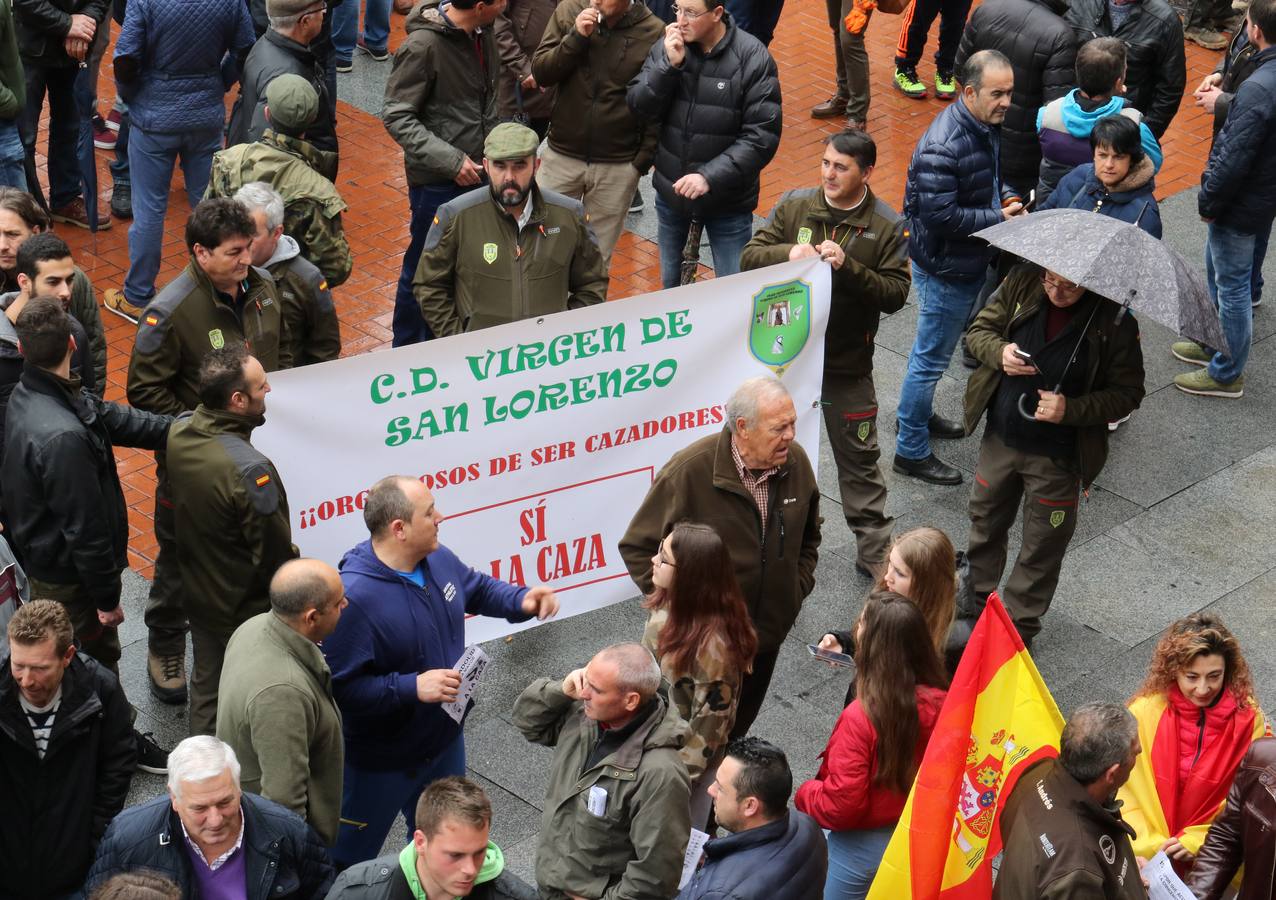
(783, 860)
(953, 191)
(1131, 199)
(391, 631)
(1238, 187)
(172, 65)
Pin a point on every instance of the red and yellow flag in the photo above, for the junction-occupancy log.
(997, 720)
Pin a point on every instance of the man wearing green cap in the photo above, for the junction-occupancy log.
(510, 252)
(298, 171)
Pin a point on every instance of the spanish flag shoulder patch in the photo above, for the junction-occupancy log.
(152, 319)
(263, 480)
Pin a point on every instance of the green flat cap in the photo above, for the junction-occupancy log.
(509, 140)
(293, 102)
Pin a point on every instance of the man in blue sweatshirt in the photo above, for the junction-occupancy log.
(392, 658)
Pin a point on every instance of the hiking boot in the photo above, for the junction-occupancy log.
(122, 201)
(1207, 38)
(1191, 353)
(168, 677)
(906, 82)
(115, 301)
(1201, 384)
(74, 213)
(830, 109)
(103, 137)
(151, 757)
(932, 469)
(945, 85)
(380, 54)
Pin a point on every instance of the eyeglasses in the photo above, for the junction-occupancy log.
(689, 15)
(1061, 284)
(662, 560)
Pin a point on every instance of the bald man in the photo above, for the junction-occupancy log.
(275, 705)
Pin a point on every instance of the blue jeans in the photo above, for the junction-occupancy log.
(727, 237)
(408, 325)
(119, 165)
(853, 860)
(64, 128)
(371, 800)
(1260, 254)
(345, 27)
(151, 157)
(12, 156)
(1229, 269)
(943, 307)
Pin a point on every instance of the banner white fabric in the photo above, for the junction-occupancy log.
(539, 438)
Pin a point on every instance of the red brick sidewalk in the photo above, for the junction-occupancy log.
(372, 182)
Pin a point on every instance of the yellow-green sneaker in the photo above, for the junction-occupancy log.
(945, 85)
(907, 83)
(1201, 384)
(1191, 353)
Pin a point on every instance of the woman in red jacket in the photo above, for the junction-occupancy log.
(878, 742)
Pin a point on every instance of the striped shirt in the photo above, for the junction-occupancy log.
(41, 719)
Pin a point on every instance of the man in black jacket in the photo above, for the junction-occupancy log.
(1156, 68)
(260, 850)
(771, 852)
(66, 755)
(716, 91)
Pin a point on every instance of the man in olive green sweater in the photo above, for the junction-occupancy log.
(275, 704)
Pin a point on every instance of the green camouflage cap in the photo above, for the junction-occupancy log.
(293, 102)
(509, 140)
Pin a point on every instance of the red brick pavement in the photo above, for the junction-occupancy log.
(372, 181)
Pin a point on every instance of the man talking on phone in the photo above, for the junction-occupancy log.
(1057, 365)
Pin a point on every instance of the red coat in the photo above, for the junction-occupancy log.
(843, 797)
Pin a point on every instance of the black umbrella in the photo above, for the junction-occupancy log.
(84, 104)
(691, 253)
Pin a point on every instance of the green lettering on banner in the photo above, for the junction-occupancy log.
(450, 420)
(378, 383)
(554, 395)
(558, 350)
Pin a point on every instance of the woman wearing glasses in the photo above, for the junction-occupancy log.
(699, 631)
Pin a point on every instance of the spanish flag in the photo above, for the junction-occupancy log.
(997, 720)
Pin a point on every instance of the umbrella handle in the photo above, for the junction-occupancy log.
(1125, 307)
(1029, 414)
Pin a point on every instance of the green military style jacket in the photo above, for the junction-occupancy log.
(478, 269)
(311, 330)
(303, 177)
(231, 511)
(189, 318)
(874, 279)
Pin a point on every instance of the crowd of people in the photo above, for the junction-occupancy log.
(323, 699)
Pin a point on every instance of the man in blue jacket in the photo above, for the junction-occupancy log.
(1238, 200)
(953, 190)
(393, 655)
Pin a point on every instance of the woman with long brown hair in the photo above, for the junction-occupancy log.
(878, 742)
(700, 632)
(1197, 716)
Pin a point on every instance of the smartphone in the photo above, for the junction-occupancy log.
(831, 656)
(1032, 198)
(1022, 354)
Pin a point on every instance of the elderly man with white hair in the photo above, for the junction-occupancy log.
(213, 840)
(753, 483)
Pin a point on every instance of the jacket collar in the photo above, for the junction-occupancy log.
(260, 847)
(747, 840)
(1134, 179)
(969, 122)
(861, 216)
(304, 651)
(221, 421)
(79, 701)
(629, 754)
(1061, 783)
(725, 474)
(288, 45)
(251, 280)
(322, 161)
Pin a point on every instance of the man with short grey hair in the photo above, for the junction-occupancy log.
(1061, 825)
(753, 484)
(617, 809)
(275, 704)
(211, 839)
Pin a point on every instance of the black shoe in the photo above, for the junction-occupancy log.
(122, 201)
(151, 757)
(940, 427)
(931, 469)
(635, 205)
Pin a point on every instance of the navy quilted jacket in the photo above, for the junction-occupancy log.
(172, 64)
(1238, 187)
(953, 191)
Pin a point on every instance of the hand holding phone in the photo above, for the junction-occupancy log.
(831, 657)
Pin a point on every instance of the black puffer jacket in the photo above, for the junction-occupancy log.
(783, 860)
(1238, 187)
(56, 809)
(951, 193)
(274, 55)
(1156, 68)
(721, 115)
(283, 857)
(42, 26)
(1042, 48)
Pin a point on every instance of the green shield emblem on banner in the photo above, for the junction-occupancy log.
(216, 339)
(1056, 518)
(780, 322)
(489, 253)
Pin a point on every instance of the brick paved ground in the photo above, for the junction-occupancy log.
(373, 183)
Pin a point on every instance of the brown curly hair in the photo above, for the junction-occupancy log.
(1200, 634)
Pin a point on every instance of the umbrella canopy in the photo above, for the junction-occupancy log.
(84, 97)
(1115, 260)
(691, 253)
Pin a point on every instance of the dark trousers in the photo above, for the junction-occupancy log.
(753, 690)
(64, 129)
(757, 17)
(209, 651)
(916, 25)
(850, 417)
(1006, 480)
(99, 641)
(165, 617)
(408, 323)
(851, 59)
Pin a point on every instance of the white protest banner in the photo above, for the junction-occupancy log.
(540, 438)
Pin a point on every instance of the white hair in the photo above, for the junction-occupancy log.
(200, 758)
(258, 195)
(743, 403)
